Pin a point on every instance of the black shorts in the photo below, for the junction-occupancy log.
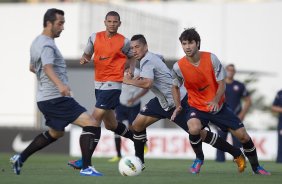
(107, 99)
(60, 112)
(127, 113)
(224, 119)
(154, 109)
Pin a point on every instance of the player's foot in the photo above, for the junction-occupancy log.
(241, 163)
(114, 159)
(76, 164)
(90, 171)
(16, 164)
(196, 166)
(146, 149)
(261, 171)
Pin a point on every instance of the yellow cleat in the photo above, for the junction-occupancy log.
(146, 149)
(241, 163)
(114, 159)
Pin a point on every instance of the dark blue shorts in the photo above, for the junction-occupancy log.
(224, 119)
(60, 112)
(127, 113)
(107, 99)
(153, 108)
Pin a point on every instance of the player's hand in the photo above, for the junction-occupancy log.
(241, 116)
(83, 61)
(130, 101)
(127, 77)
(213, 106)
(64, 90)
(175, 113)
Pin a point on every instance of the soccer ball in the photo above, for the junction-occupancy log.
(130, 166)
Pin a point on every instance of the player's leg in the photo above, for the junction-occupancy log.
(40, 141)
(220, 155)
(140, 137)
(249, 150)
(112, 124)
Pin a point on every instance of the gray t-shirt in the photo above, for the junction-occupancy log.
(44, 51)
(153, 67)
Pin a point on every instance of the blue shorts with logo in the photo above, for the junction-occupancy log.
(154, 109)
(107, 99)
(127, 113)
(60, 112)
(224, 119)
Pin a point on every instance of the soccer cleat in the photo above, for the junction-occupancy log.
(90, 171)
(261, 171)
(241, 163)
(196, 166)
(114, 159)
(16, 164)
(76, 164)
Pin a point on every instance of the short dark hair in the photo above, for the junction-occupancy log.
(50, 15)
(112, 13)
(230, 65)
(190, 34)
(141, 38)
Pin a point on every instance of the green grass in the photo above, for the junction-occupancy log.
(47, 169)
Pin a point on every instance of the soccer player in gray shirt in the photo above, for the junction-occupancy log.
(54, 96)
(155, 75)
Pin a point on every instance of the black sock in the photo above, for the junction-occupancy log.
(219, 143)
(89, 139)
(39, 142)
(139, 139)
(196, 143)
(123, 131)
(251, 153)
(118, 144)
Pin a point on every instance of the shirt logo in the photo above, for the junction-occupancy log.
(101, 58)
(203, 88)
(192, 114)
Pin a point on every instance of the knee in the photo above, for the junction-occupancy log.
(243, 136)
(56, 134)
(194, 127)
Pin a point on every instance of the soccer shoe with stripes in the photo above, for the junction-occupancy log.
(241, 163)
(90, 171)
(114, 159)
(76, 164)
(261, 171)
(196, 166)
(16, 164)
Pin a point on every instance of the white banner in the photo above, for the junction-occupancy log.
(172, 143)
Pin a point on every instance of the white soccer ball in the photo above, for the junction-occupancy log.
(130, 166)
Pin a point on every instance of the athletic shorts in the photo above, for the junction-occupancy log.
(60, 112)
(154, 109)
(224, 119)
(107, 99)
(127, 113)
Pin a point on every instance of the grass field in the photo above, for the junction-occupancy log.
(43, 168)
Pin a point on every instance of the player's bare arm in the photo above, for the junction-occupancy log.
(213, 105)
(176, 98)
(85, 58)
(64, 89)
(275, 108)
(145, 83)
